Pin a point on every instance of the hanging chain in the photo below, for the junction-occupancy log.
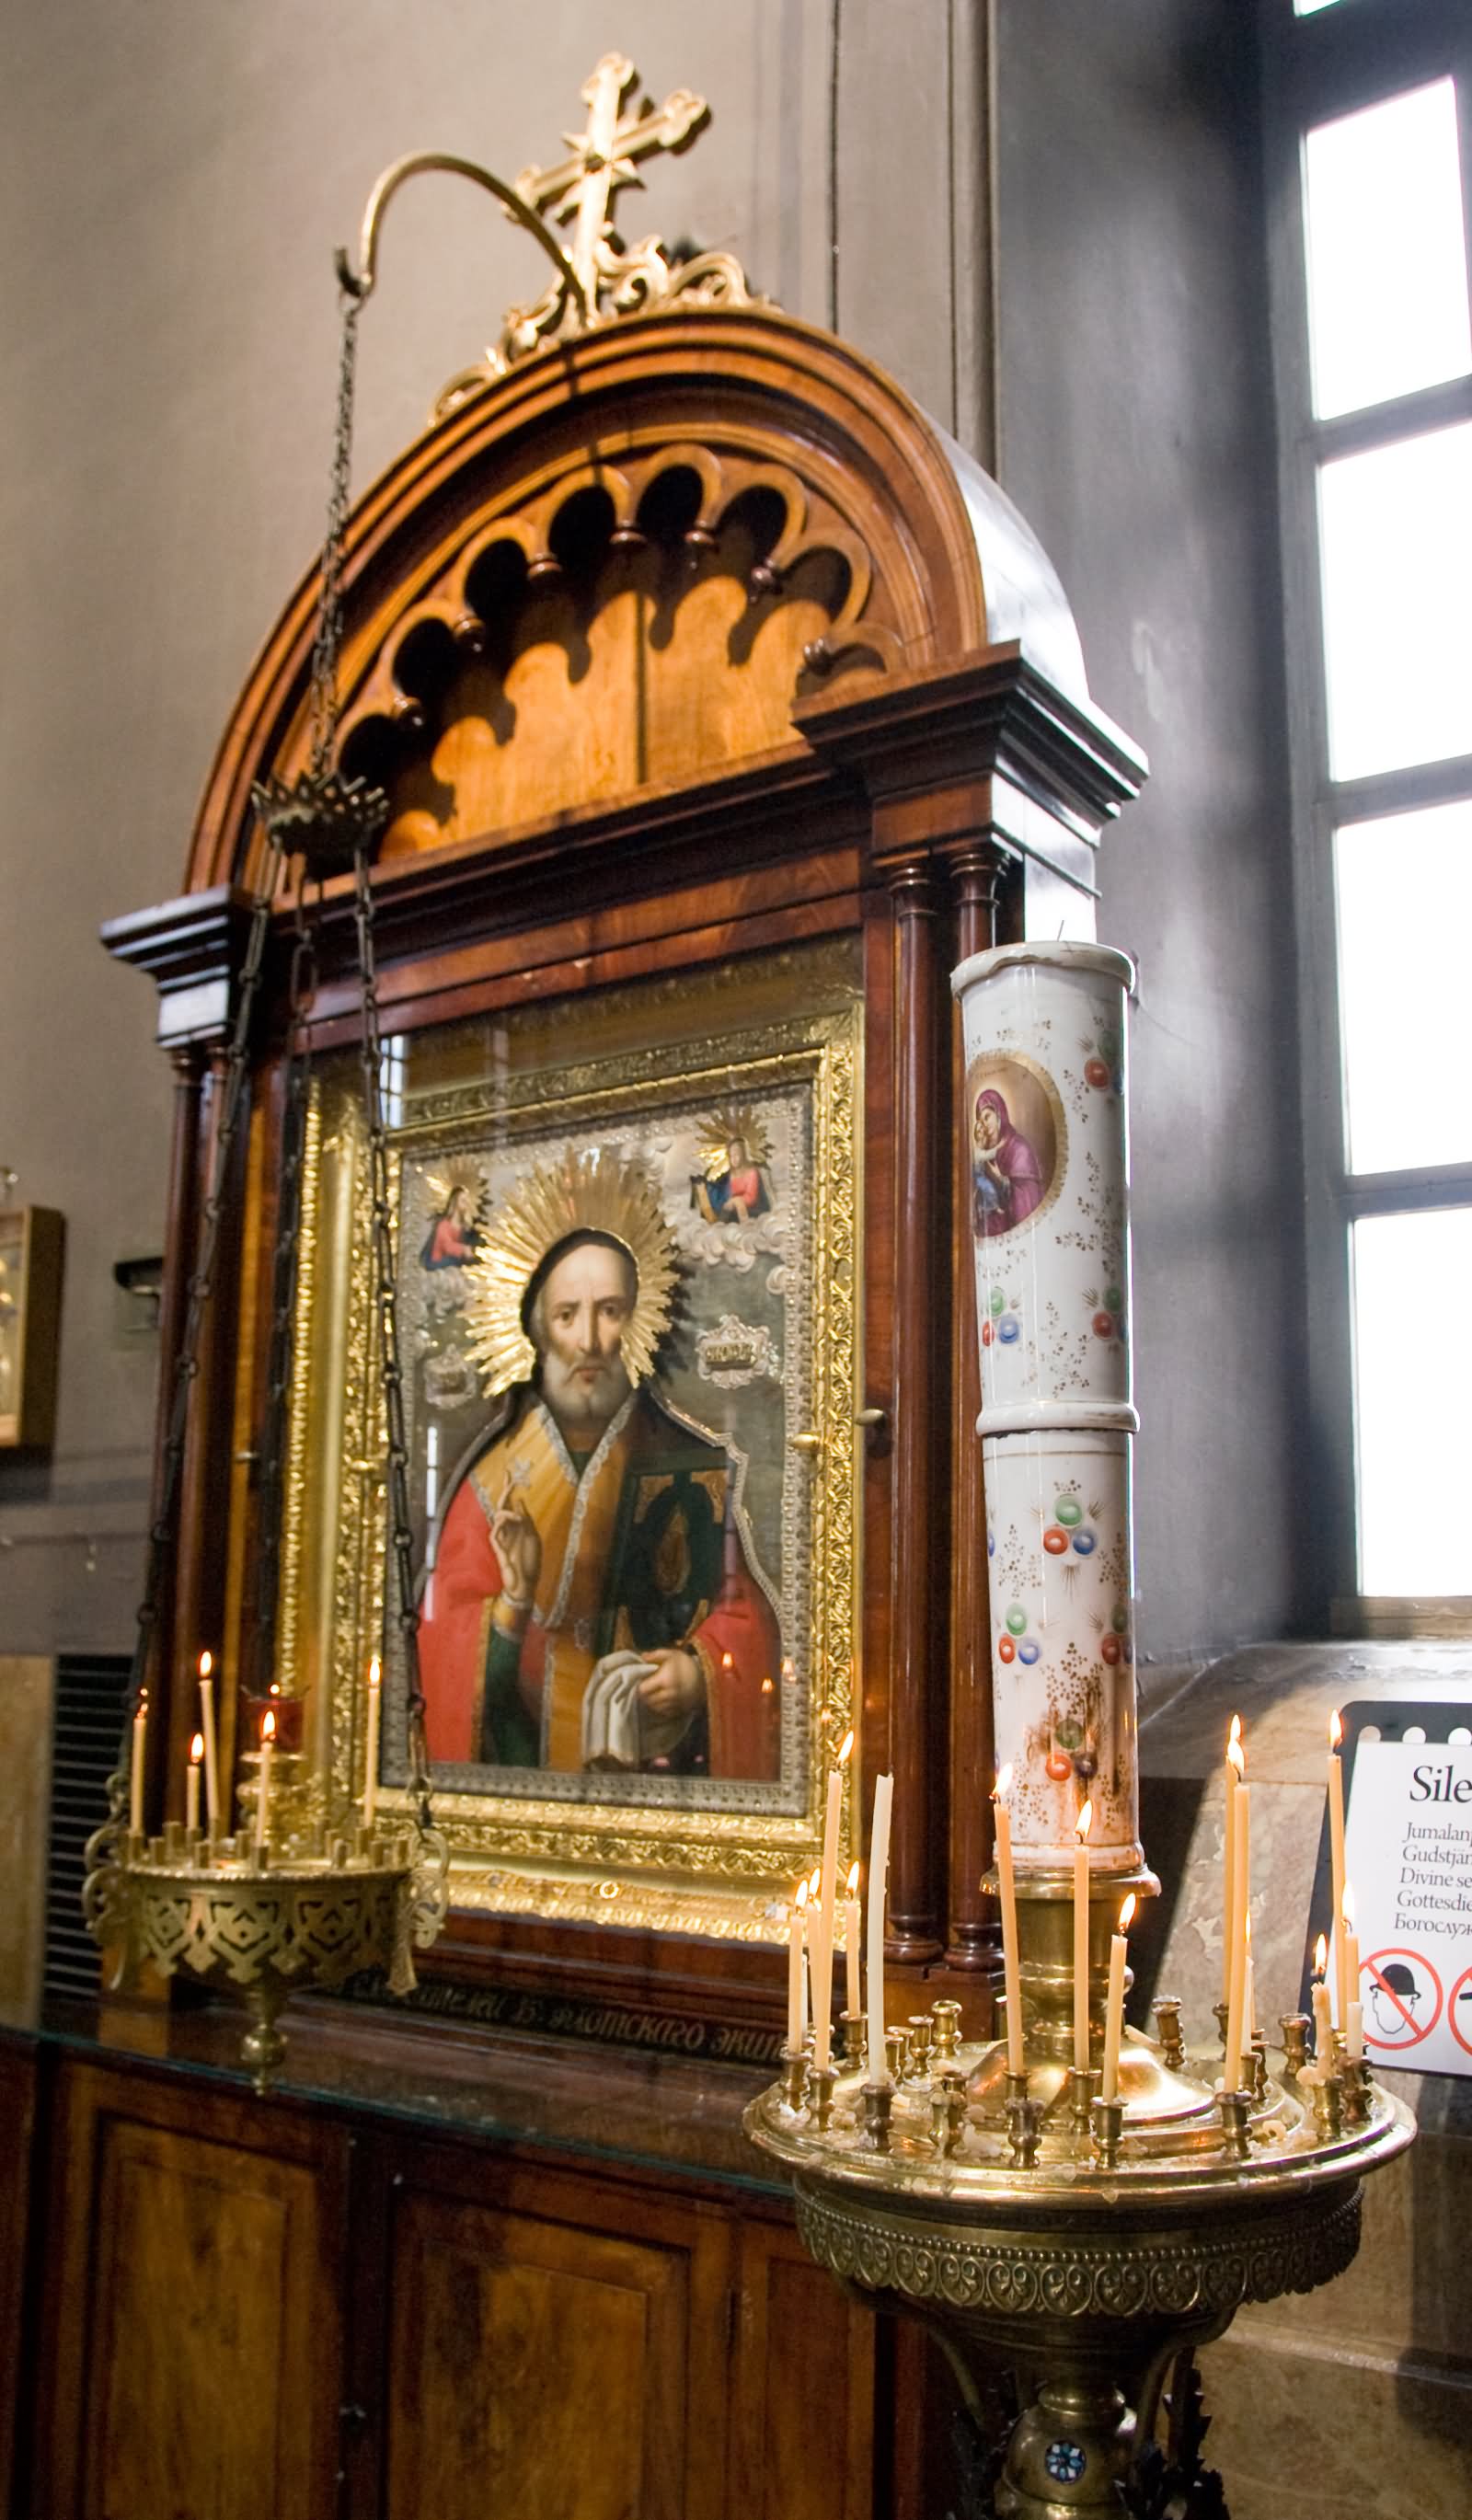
(324, 653)
(281, 1355)
(384, 1297)
(330, 822)
(201, 1287)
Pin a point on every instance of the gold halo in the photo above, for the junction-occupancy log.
(442, 1186)
(581, 1193)
(736, 1120)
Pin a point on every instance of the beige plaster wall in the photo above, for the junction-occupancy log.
(173, 177)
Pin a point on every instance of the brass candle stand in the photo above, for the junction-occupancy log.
(307, 1907)
(1087, 2247)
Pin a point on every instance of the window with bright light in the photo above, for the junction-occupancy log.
(1375, 399)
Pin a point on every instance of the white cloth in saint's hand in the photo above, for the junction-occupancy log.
(618, 1730)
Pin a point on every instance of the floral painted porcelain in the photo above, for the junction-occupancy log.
(1047, 1141)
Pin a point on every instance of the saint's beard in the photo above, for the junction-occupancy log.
(584, 1402)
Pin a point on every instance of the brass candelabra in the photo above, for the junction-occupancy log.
(1087, 2247)
(307, 1901)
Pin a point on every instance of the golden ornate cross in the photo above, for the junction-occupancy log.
(605, 158)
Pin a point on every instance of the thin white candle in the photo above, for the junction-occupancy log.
(1342, 1984)
(1006, 1900)
(1354, 2034)
(192, 1785)
(851, 1933)
(1349, 1942)
(1114, 2007)
(1323, 2027)
(878, 1878)
(206, 1727)
(136, 1766)
(1241, 1813)
(371, 1752)
(1232, 1772)
(827, 1896)
(263, 1780)
(795, 1968)
(1249, 1996)
(1081, 1940)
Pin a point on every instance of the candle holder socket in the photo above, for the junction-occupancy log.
(1356, 2090)
(794, 2077)
(1024, 2131)
(879, 2102)
(1328, 2106)
(1014, 2086)
(896, 2054)
(1168, 2021)
(1236, 2109)
(1108, 2133)
(948, 2111)
(1083, 2092)
(946, 2015)
(851, 2040)
(820, 2082)
(1295, 2027)
(920, 2030)
(1222, 2011)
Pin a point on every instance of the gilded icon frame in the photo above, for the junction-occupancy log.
(778, 1034)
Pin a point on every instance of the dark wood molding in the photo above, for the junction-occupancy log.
(922, 740)
(977, 874)
(192, 949)
(918, 1535)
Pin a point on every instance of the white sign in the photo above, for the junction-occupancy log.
(1409, 1861)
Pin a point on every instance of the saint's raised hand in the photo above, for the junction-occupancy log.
(518, 1543)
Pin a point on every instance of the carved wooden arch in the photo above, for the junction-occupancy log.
(618, 566)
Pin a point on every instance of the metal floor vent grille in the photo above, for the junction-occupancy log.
(89, 1718)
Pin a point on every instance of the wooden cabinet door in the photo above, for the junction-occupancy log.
(558, 2348)
(192, 2323)
(18, 2118)
(804, 2433)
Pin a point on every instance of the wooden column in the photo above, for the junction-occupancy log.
(180, 1229)
(918, 1537)
(975, 870)
(197, 1591)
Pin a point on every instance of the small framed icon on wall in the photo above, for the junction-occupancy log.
(31, 1243)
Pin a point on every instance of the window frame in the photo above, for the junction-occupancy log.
(1315, 68)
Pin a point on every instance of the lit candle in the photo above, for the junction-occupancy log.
(1350, 1945)
(370, 1759)
(878, 1875)
(1231, 2062)
(1323, 2029)
(206, 1727)
(795, 1984)
(1232, 1766)
(1249, 1995)
(1081, 1940)
(828, 1892)
(136, 1765)
(1114, 2008)
(192, 1785)
(263, 1781)
(1343, 1987)
(1006, 1897)
(851, 1932)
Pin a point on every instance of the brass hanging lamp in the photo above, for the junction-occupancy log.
(283, 1886)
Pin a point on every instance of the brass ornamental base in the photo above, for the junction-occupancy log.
(265, 1923)
(1087, 2248)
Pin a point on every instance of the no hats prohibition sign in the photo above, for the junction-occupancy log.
(1459, 2011)
(1403, 1998)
